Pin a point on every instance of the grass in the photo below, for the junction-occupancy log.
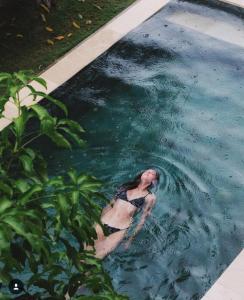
(24, 38)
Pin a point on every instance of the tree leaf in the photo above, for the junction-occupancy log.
(73, 175)
(6, 189)
(58, 103)
(74, 136)
(59, 37)
(75, 126)
(64, 208)
(50, 42)
(4, 204)
(22, 185)
(4, 237)
(30, 152)
(40, 111)
(76, 25)
(16, 225)
(19, 123)
(48, 125)
(59, 140)
(4, 76)
(45, 8)
(43, 17)
(49, 29)
(21, 76)
(26, 197)
(26, 163)
(40, 80)
(97, 6)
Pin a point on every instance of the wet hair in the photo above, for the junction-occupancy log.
(135, 182)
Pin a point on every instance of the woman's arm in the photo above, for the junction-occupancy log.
(146, 212)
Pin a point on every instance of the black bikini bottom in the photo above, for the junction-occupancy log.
(110, 229)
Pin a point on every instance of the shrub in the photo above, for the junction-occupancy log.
(44, 222)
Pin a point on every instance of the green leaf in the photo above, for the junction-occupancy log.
(27, 163)
(73, 176)
(75, 126)
(40, 80)
(75, 197)
(63, 206)
(26, 197)
(4, 204)
(19, 123)
(4, 76)
(30, 152)
(48, 125)
(58, 103)
(91, 187)
(82, 178)
(41, 167)
(13, 91)
(47, 205)
(4, 238)
(21, 76)
(59, 140)
(22, 185)
(6, 189)
(40, 111)
(74, 136)
(56, 181)
(15, 224)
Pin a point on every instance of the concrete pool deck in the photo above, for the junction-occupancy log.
(229, 285)
(239, 3)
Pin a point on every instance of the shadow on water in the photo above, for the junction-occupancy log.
(170, 98)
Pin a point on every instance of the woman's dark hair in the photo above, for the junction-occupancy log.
(135, 182)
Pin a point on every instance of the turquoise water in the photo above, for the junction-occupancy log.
(171, 98)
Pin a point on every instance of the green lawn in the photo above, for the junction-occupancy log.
(24, 37)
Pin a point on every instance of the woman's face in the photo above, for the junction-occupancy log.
(149, 175)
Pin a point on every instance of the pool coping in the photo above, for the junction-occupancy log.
(228, 284)
(239, 3)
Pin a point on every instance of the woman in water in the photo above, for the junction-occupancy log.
(118, 215)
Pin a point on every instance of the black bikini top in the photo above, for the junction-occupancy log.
(137, 202)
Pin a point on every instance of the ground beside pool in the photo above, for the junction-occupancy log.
(32, 38)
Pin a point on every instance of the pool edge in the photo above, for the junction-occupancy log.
(229, 285)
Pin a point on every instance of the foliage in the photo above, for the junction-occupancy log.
(44, 222)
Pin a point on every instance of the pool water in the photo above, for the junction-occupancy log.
(170, 97)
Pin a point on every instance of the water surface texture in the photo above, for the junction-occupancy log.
(169, 97)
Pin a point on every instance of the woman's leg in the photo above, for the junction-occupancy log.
(100, 236)
(108, 244)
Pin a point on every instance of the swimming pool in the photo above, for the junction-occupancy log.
(169, 95)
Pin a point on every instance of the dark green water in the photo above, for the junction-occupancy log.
(172, 98)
